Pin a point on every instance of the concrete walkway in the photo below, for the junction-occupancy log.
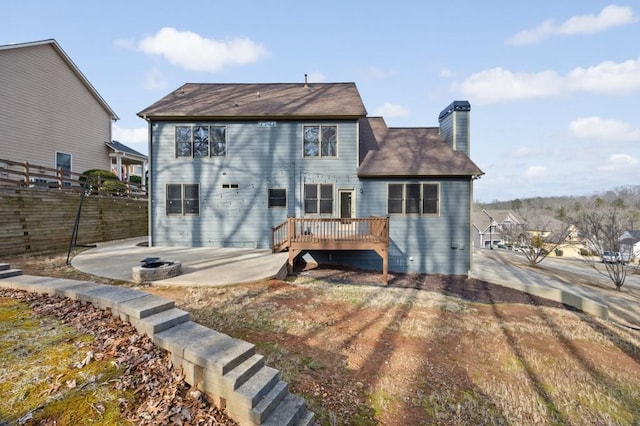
(509, 270)
(201, 266)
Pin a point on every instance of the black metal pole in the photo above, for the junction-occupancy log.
(74, 234)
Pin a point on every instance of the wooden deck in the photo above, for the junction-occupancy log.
(300, 234)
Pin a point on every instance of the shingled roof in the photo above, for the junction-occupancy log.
(290, 100)
(404, 152)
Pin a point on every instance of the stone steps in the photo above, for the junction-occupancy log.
(227, 369)
(7, 272)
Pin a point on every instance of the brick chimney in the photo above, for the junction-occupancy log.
(454, 125)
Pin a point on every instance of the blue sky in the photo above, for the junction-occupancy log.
(554, 86)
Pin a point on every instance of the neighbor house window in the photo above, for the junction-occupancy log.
(413, 198)
(183, 199)
(320, 141)
(201, 141)
(277, 198)
(318, 198)
(63, 161)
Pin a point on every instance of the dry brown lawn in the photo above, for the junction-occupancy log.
(424, 350)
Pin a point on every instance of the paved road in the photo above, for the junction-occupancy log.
(500, 266)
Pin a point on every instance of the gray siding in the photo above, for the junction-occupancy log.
(454, 129)
(434, 244)
(462, 126)
(262, 158)
(45, 107)
(257, 159)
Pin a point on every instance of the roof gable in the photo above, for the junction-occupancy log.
(290, 100)
(416, 151)
(56, 47)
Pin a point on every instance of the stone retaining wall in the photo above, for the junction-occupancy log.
(228, 370)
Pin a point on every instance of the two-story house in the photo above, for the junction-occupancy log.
(50, 114)
(231, 162)
(493, 228)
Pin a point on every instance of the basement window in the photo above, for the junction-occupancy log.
(277, 198)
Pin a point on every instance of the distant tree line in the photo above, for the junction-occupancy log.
(626, 199)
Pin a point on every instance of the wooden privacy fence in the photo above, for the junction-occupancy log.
(14, 173)
(298, 234)
(34, 219)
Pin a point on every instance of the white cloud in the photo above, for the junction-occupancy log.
(607, 78)
(154, 80)
(130, 136)
(609, 17)
(536, 172)
(618, 162)
(445, 73)
(193, 52)
(389, 110)
(374, 74)
(501, 85)
(602, 129)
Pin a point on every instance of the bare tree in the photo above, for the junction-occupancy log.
(601, 228)
(538, 237)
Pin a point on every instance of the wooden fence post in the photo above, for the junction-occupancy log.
(60, 174)
(25, 173)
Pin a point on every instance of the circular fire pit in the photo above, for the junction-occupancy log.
(154, 269)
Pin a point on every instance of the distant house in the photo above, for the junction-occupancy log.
(50, 115)
(630, 245)
(556, 233)
(244, 165)
(126, 161)
(493, 227)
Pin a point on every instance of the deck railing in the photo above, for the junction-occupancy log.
(26, 175)
(298, 234)
(330, 230)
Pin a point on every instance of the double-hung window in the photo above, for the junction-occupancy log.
(63, 162)
(201, 141)
(413, 198)
(183, 199)
(320, 141)
(318, 198)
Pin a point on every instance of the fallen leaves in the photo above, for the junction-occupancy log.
(163, 397)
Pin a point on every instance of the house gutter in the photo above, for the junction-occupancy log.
(148, 183)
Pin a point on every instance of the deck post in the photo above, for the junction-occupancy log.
(292, 257)
(384, 254)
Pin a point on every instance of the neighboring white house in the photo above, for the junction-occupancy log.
(630, 245)
(50, 115)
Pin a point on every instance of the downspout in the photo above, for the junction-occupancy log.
(148, 183)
